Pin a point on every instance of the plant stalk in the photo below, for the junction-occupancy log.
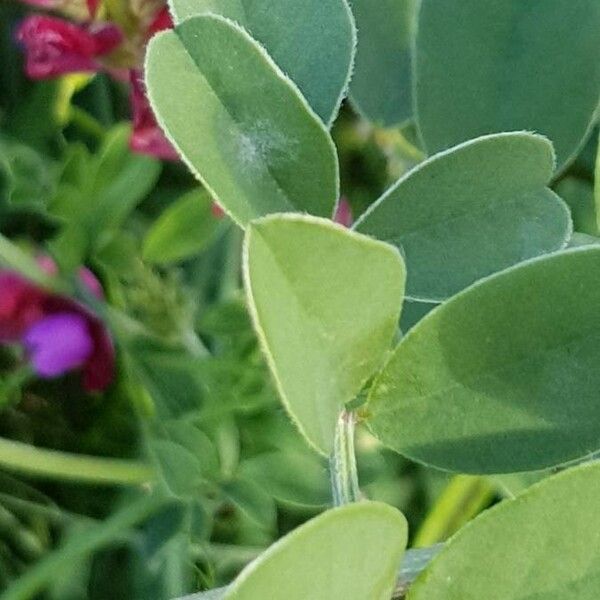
(61, 465)
(342, 462)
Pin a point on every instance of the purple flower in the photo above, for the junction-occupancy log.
(58, 333)
(58, 344)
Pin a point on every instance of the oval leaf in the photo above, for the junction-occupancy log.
(312, 41)
(471, 211)
(325, 302)
(351, 552)
(544, 545)
(484, 67)
(504, 376)
(184, 229)
(240, 125)
(381, 87)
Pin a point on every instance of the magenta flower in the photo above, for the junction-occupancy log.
(93, 7)
(58, 334)
(147, 137)
(161, 21)
(54, 46)
(343, 213)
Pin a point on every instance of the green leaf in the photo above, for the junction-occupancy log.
(290, 477)
(312, 41)
(579, 196)
(240, 125)
(503, 377)
(185, 456)
(471, 211)
(544, 545)
(381, 87)
(502, 66)
(82, 544)
(351, 552)
(325, 303)
(97, 193)
(122, 179)
(173, 377)
(413, 312)
(597, 186)
(253, 502)
(184, 229)
(26, 178)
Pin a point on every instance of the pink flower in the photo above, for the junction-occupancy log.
(54, 46)
(20, 306)
(343, 213)
(93, 7)
(161, 21)
(147, 137)
(58, 333)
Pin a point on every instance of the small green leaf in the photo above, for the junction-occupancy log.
(503, 377)
(597, 186)
(579, 196)
(26, 179)
(184, 455)
(381, 87)
(240, 125)
(471, 211)
(253, 502)
(351, 552)
(485, 67)
(544, 544)
(290, 477)
(97, 193)
(325, 302)
(413, 312)
(312, 41)
(173, 377)
(184, 229)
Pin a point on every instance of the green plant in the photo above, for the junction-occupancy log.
(500, 377)
(453, 327)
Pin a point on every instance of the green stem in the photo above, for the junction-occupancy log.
(61, 465)
(230, 278)
(342, 463)
(462, 499)
(81, 545)
(86, 123)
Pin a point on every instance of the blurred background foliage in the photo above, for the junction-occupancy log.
(215, 471)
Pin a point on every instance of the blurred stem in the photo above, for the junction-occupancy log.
(86, 123)
(462, 499)
(81, 545)
(61, 465)
(342, 462)
(230, 279)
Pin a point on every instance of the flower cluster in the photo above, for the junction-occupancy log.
(94, 40)
(58, 334)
